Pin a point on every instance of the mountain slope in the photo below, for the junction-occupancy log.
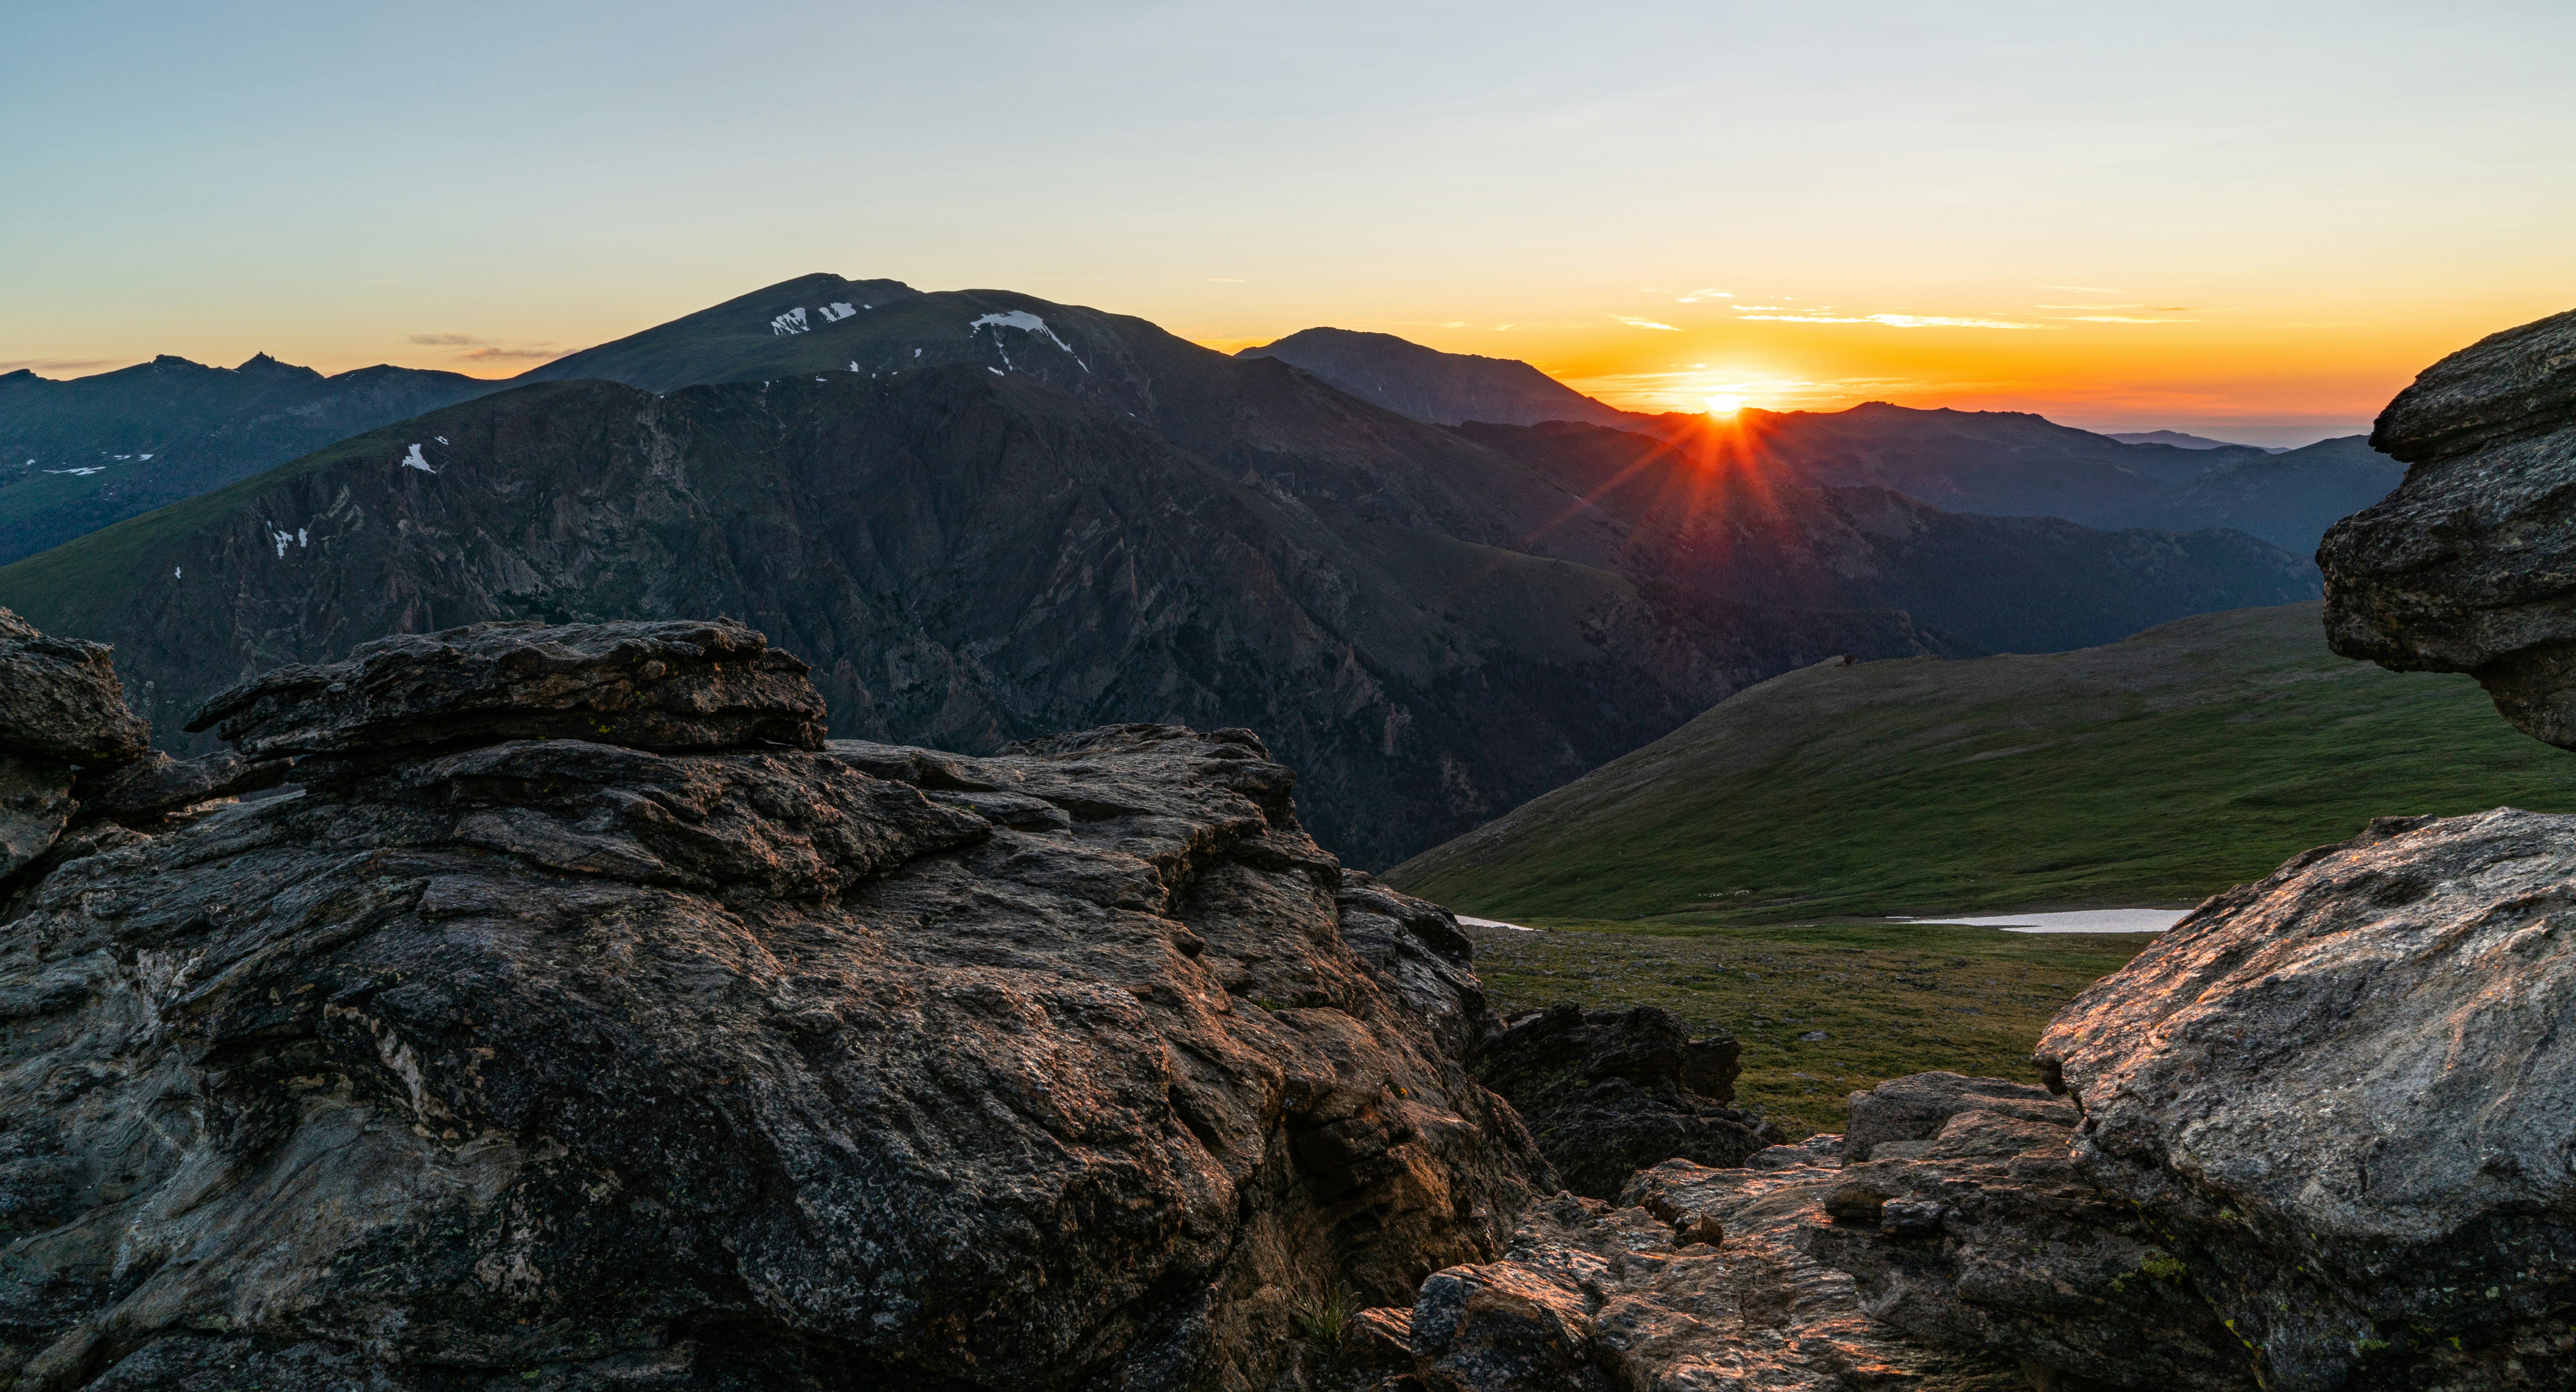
(2159, 769)
(966, 560)
(1709, 511)
(1445, 388)
(78, 455)
(2288, 499)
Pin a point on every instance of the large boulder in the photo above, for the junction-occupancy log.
(60, 701)
(1608, 1093)
(2345, 1098)
(572, 1063)
(2470, 565)
(60, 706)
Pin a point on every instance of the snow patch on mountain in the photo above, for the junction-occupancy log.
(792, 322)
(414, 460)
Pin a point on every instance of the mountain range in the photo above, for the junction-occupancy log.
(985, 517)
(80, 454)
(2002, 463)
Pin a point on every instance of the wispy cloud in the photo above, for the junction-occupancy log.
(2118, 319)
(1897, 321)
(490, 354)
(448, 340)
(41, 366)
(1700, 296)
(1644, 323)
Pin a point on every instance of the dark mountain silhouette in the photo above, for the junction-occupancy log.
(1446, 388)
(2288, 499)
(2180, 440)
(78, 455)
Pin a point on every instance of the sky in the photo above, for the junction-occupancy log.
(2253, 220)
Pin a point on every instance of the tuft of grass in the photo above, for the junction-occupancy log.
(1321, 1318)
(2157, 770)
(1890, 999)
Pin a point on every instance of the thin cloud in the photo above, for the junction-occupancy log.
(448, 340)
(489, 354)
(2085, 289)
(1897, 321)
(1697, 296)
(41, 366)
(2119, 319)
(1644, 323)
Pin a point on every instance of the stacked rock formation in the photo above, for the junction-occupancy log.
(587, 1021)
(2470, 566)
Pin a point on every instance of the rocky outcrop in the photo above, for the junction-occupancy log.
(60, 706)
(2470, 566)
(1914, 1109)
(1608, 1093)
(510, 1054)
(1983, 1233)
(670, 686)
(1698, 1278)
(2342, 1099)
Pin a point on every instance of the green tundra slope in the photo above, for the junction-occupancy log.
(2156, 770)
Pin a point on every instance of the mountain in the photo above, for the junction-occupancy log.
(2160, 769)
(2288, 499)
(2178, 440)
(1446, 388)
(1997, 463)
(78, 455)
(1434, 624)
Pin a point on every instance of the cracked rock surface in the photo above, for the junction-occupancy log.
(2345, 1098)
(565, 1063)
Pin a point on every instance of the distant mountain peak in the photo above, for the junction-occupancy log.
(2177, 439)
(1428, 384)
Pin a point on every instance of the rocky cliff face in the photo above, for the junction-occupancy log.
(586, 1020)
(2470, 566)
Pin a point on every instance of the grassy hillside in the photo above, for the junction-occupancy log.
(1889, 999)
(2157, 770)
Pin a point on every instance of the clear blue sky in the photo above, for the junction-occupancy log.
(2330, 193)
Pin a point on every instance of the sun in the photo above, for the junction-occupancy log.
(1725, 405)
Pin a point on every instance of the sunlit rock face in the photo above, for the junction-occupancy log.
(2344, 1097)
(2470, 566)
(586, 1021)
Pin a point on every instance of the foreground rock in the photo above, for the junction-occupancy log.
(566, 1063)
(60, 705)
(2470, 566)
(2344, 1096)
(1697, 1279)
(1608, 1093)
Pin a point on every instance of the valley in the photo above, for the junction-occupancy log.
(2157, 770)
